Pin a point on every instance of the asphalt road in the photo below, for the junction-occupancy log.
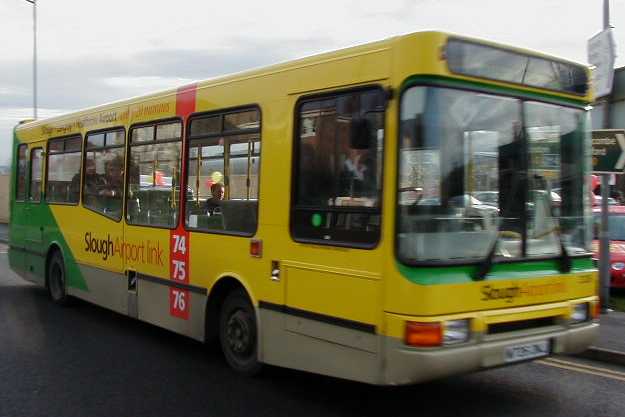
(87, 361)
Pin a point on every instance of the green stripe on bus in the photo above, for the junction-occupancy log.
(45, 218)
(463, 274)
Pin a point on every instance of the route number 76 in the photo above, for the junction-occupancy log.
(180, 303)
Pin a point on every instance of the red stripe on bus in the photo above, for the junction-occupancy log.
(185, 106)
(185, 100)
(179, 248)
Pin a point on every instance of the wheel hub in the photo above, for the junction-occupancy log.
(238, 333)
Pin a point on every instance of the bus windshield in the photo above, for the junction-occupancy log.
(479, 172)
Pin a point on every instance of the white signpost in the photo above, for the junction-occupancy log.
(601, 54)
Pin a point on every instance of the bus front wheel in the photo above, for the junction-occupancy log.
(56, 279)
(238, 333)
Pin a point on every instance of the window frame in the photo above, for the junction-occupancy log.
(80, 171)
(100, 148)
(518, 53)
(30, 175)
(416, 81)
(189, 142)
(386, 92)
(129, 146)
(25, 176)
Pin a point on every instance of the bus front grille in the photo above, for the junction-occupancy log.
(513, 326)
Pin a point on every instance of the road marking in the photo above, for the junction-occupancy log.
(586, 369)
(583, 365)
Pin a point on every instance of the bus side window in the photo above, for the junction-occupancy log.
(63, 170)
(338, 168)
(103, 184)
(35, 175)
(20, 180)
(224, 158)
(154, 174)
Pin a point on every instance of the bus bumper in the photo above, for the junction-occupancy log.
(409, 365)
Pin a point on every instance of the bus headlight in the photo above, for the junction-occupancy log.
(618, 266)
(456, 331)
(580, 313)
(432, 334)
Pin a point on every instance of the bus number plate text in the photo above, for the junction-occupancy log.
(527, 351)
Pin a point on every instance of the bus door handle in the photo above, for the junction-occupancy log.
(275, 271)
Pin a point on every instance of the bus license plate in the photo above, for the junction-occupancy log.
(527, 351)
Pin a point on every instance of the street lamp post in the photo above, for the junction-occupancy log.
(604, 240)
(34, 3)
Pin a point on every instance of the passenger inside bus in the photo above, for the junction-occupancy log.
(213, 204)
(113, 180)
(92, 179)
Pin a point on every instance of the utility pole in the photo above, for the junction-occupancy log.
(606, 99)
(604, 240)
(34, 3)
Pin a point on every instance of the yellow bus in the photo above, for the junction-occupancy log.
(390, 213)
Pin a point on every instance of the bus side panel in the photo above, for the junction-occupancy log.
(18, 219)
(296, 350)
(154, 307)
(341, 294)
(106, 289)
(69, 228)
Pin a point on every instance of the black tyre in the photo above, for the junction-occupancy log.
(56, 279)
(238, 333)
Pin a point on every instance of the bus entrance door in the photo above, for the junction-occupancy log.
(35, 218)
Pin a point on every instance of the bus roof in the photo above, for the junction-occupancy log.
(431, 40)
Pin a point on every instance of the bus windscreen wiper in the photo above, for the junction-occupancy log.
(565, 259)
(487, 264)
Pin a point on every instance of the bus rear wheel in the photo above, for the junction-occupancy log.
(56, 279)
(238, 333)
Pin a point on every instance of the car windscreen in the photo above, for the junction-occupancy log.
(616, 226)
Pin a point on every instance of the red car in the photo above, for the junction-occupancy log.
(616, 230)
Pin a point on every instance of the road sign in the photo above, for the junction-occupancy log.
(601, 55)
(608, 151)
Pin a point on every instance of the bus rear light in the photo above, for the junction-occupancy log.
(256, 248)
(423, 334)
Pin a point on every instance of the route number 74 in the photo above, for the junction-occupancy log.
(180, 244)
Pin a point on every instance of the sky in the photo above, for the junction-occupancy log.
(90, 52)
